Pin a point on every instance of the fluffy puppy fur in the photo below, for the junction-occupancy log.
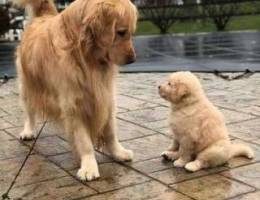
(199, 130)
(67, 63)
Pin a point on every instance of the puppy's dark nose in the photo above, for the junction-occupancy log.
(159, 87)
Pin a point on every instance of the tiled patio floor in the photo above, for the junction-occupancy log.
(142, 120)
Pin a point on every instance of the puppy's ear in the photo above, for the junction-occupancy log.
(182, 91)
(100, 21)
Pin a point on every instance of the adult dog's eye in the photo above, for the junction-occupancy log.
(122, 33)
(169, 83)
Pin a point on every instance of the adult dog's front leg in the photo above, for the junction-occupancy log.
(89, 168)
(27, 133)
(112, 144)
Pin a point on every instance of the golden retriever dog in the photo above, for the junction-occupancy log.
(67, 65)
(200, 137)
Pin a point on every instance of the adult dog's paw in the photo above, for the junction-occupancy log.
(27, 135)
(88, 173)
(123, 154)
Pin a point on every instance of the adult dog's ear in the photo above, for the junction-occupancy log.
(99, 22)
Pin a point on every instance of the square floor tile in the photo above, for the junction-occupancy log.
(249, 174)
(212, 187)
(127, 130)
(147, 147)
(249, 196)
(114, 176)
(58, 189)
(248, 130)
(174, 175)
(148, 190)
(36, 169)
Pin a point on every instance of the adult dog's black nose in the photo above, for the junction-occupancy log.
(130, 60)
(159, 87)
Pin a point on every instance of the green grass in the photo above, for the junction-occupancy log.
(235, 24)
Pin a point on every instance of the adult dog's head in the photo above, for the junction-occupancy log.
(107, 27)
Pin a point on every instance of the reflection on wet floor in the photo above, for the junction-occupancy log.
(203, 52)
(200, 52)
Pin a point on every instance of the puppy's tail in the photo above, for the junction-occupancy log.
(37, 8)
(241, 150)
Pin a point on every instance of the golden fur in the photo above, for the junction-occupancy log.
(67, 63)
(199, 130)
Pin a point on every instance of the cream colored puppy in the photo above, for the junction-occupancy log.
(199, 130)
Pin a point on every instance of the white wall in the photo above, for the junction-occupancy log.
(3, 1)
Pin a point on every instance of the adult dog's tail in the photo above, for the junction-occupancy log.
(37, 8)
(241, 150)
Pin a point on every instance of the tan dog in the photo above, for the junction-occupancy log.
(199, 130)
(67, 63)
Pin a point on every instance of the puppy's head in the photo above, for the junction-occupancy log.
(181, 87)
(109, 26)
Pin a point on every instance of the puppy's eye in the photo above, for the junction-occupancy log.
(169, 84)
(121, 33)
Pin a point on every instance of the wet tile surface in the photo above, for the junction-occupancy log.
(49, 130)
(247, 130)
(174, 175)
(36, 169)
(152, 165)
(250, 196)
(50, 172)
(4, 124)
(50, 145)
(146, 115)
(4, 136)
(248, 174)
(212, 187)
(130, 103)
(12, 149)
(128, 130)
(68, 161)
(59, 188)
(148, 190)
(148, 147)
(114, 176)
(235, 117)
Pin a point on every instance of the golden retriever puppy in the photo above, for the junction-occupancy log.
(199, 130)
(67, 65)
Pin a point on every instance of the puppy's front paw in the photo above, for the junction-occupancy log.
(179, 163)
(123, 154)
(88, 173)
(170, 155)
(193, 166)
(27, 135)
(250, 154)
